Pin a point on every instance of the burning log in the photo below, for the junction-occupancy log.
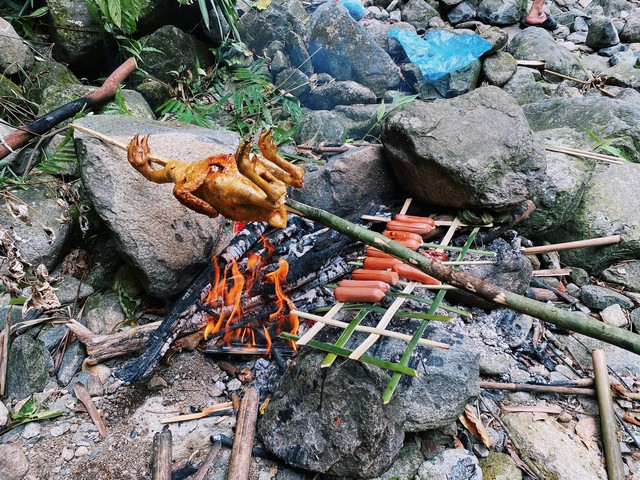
(240, 460)
(161, 455)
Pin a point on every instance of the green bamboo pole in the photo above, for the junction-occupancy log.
(574, 321)
(344, 337)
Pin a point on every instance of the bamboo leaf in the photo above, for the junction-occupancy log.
(115, 12)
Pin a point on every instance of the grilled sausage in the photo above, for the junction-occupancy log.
(358, 294)
(412, 273)
(413, 219)
(380, 263)
(365, 283)
(413, 227)
(381, 275)
(402, 235)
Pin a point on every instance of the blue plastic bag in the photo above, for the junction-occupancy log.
(440, 51)
(355, 8)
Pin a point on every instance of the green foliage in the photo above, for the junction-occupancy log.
(384, 110)
(243, 96)
(227, 8)
(135, 48)
(117, 106)
(64, 153)
(605, 146)
(116, 15)
(29, 412)
(23, 16)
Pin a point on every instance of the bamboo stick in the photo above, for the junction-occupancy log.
(612, 452)
(458, 249)
(4, 352)
(371, 330)
(575, 321)
(202, 414)
(584, 153)
(207, 462)
(573, 388)
(552, 272)
(591, 242)
(161, 455)
(469, 262)
(439, 223)
(318, 326)
(240, 460)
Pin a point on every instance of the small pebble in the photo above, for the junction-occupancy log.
(82, 451)
(565, 417)
(60, 429)
(32, 430)
(156, 383)
(234, 384)
(67, 453)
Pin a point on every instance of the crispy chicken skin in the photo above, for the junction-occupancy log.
(243, 187)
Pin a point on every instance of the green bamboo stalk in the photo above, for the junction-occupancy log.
(344, 337)
(575, 321)
(458, 249)
(343, 352)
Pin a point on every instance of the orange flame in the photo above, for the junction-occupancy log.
(226, 293)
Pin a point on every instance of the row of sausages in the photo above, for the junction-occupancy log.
(380, 270)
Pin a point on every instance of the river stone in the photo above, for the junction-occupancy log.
(71, 362)
(350, 184)
(330, 95)
(103, 313)
(14, 464)
(601, 33)
(502, 12)
(615, 121)
(461, 13)
(623, 75)
(499, 68)
(566, 177)
(4, 414)
(452, 464)
(449, 85)
(332, 420)
(281, 23)
(407, 463)
(625, 274)
(499, 466)
(15, 54)
(558, 453)
(535, 43)
(631, 31)
(475, 151)
(165, 241)
(418, 13)
(344, 49)
(524, 88)
(44, 226)
(294, 82)
(28, 369)
(317, 126)
(606, 209)
(614, 315)
(599, 298)
(360, 121)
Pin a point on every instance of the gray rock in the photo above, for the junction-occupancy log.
(32, 430)
(281, 23)
(330, 95)
(631, 31)
(627, 58)
(614, 315)
(36, 215)
(343, 49)
(296, 50)
(28, 369)
(555, 450)
(449, 85)
(535, 43)
(171, 249)
(613, 50)
(623, 75)
(177, 48)
(635, 319)
(494, 35)
(346, 429)
(350, 183)
(103, 313)
(407, 463)
(601, 33)
(524, 88)
(600, 298)
(105, 263)
(71, 362)
(606, 209)
(579, 276)
(15, 54)
(14, 465)
(360, 121)
(4, 415)
(418, 13)
(48, 72)
(76, 36)
(317, 126)
(50, 335)
(501, 12)
(453, 464)
(612, 120)
(71, 290)
(293, 81)
(516, 328)
(625, 274)
(60, 429)
(500, 466)
(461, 13)
(566, 177)
(475, 151)
(499, 68)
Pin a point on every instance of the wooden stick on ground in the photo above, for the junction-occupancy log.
(240, 460)
(4, 351)
(585, 153)
(83, 395)
(591, 242)
(608, 425)
(161, 455)
(194, 416)
(207, 462)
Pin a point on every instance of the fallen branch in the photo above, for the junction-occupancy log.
(83, 395)
(20, 137)
(612, 452)
(559, 389)
(240, 460)
(574, 321)
(590, 242)
(161, 455)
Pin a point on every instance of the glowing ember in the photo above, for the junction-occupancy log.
(227, 291)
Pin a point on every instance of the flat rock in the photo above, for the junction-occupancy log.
(13, 462)
(165, 241)
(599, 298)
(452, 464)
(556, 452)
(625, 274)
(15, 54)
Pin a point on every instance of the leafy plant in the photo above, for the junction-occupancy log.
(116, 15)
(30, 412)
(64, 153)
(227, 8)
(117, 106)
(397, 100)
(605, 146)
(22, 16)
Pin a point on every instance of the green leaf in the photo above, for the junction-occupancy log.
(29, 408)
(381, 111)
(115, 12)
(261, 4)
(204, 11)
(128, 304)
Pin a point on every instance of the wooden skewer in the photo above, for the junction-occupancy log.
(469, 262)
(592, 242)
(584, 153)
(552, 272)
(240, 459)
(193, 416)
(373, 330)
(612, 452)
(439, 223)
(318, 326)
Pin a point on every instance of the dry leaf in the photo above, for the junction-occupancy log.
(631, 419)
(457, 443)
(620, 390)
(587, 430)
(475, 426)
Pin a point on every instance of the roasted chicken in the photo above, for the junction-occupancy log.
(243, 187)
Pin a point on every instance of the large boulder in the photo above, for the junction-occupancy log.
(606, 209)
(166, 242)
(342, 48)
(29, 367)
(615, 121)
(535, 43)
(475, 151)
(332, 420)
(282, 23)
(501, 12)
(15, 54)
